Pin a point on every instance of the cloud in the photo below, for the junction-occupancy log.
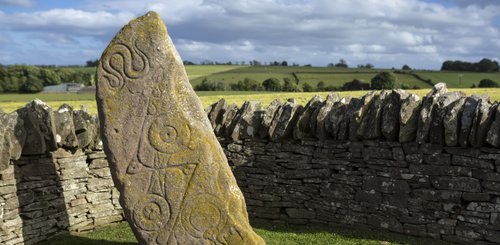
(387, 33)
(17, 3)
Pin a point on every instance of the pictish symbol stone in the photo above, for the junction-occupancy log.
(176, 185)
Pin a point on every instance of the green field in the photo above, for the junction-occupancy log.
(272, 234)
(455, 79)
(338, 76)
(11, 102)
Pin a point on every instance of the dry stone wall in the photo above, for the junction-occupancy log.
(389, 160)
(54, 176)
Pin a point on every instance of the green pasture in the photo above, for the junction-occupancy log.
(272, 234)
(456, 79)
(333, 76)
(11, 102)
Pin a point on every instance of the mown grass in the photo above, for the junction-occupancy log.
(273, 235)
(11, 102)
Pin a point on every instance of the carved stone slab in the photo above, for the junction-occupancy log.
(176, 185)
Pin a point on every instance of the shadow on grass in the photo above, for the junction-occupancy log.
(348, 234)
(78, 240)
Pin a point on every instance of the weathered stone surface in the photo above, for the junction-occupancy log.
(335, 117)
(303, 127)
(247, 121)
(481, 122)
(65, 129)
(39, 125)
(371, 121)
(354, 115)
(391, 114)
(216, 113)
(451, 122)
(322, 113)
(85, 130)
(285, 120)
(12, 138)
(176, 185)
(468, 114)
(267, 120)
(227, 118)
(425, 117)
(408, 120)
(438, 114)
(493, 135)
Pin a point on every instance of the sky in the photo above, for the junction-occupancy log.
(385, 33)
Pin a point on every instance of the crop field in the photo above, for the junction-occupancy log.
(11, 102)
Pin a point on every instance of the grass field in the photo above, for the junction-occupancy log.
(11, 102)
(338, 76)
(272, 234)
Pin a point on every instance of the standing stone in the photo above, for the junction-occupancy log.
(176, 185)
(408, 120)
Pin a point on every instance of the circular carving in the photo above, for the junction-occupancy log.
(169, 134)
(204, 213)
(151, 212)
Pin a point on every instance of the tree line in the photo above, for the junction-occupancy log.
(32, 79)
(484, 65)
(382, 80)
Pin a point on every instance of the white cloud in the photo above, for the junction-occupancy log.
(386, 33)
(17, 3)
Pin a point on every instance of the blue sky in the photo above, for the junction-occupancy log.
(386, 33)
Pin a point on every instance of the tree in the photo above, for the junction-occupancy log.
(342, 63)
(188, 63)
(355, 84)
(247, 84)
(272, 84)
(284, 63)
(384, 80)
(290, 86)
(306, 87)
(406, 67)
(32, 85)
(320, 86)
(487, 83)
(92, 63)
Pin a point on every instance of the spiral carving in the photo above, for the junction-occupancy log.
(122, 63)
